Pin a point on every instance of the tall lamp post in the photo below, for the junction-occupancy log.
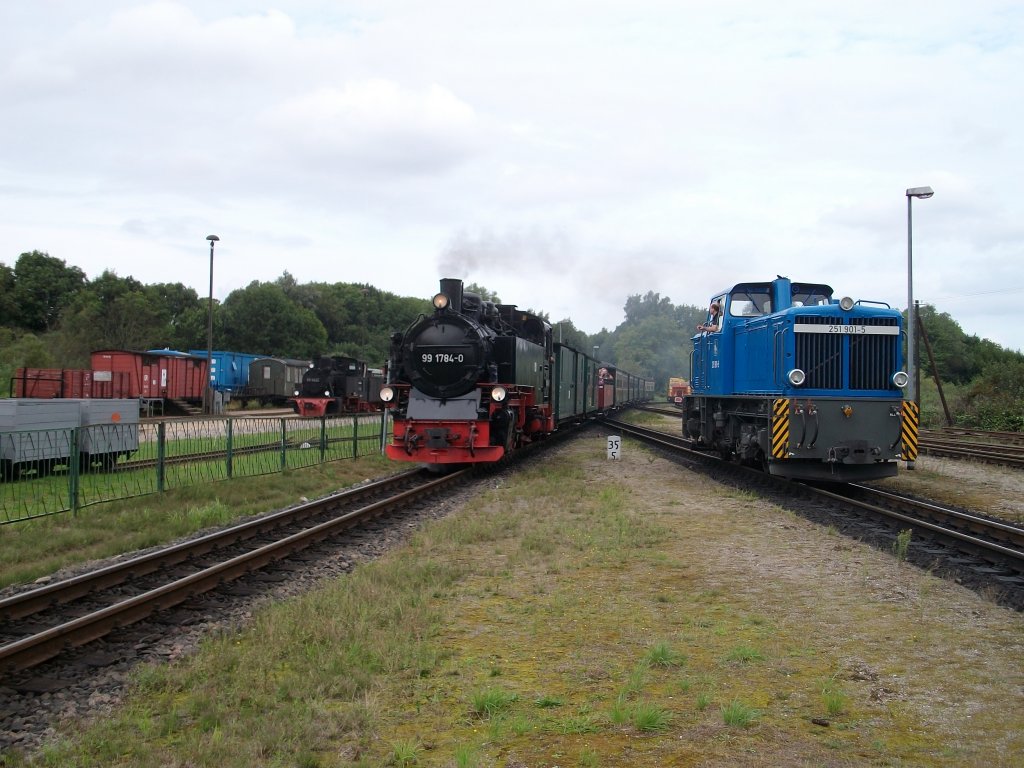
(921, 193)
(208, 392)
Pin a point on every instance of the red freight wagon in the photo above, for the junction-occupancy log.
(49, 383)
(171, 375)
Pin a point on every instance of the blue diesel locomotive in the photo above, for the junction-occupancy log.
(801, 384)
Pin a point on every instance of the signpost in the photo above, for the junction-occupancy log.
(614, 446)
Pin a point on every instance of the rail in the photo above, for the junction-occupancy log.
(994, 548)
(42, 623)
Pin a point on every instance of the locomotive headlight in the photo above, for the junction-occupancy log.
(296, 393)
(846, 303)
(440, 301)
(498, 394)
(327, 393)
(387, 394)
(900, 379)
(796, 377)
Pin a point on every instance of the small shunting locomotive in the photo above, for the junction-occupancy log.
(802, 384)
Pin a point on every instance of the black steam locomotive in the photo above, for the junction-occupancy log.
(473, 381)
(334, 385)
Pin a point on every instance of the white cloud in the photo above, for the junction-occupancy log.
(564, 155)
(376, 126)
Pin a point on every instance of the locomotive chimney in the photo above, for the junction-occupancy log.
(452, 288)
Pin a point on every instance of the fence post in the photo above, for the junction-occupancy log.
(74, 463)
(323, 438)
(355, 436)
(161, 455)
(284, 445)
(230, 435)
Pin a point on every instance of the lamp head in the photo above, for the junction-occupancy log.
(212, 238)
(921, 193)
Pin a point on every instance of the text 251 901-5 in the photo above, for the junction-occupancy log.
(854, 329)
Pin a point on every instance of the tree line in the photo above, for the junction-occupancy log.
(53, 316)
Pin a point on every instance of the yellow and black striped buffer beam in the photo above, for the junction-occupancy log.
(780, 428)
(910, 424)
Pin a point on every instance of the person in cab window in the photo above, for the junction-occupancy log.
(714, 323)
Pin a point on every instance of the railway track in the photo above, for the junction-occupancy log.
(1000, 448)
(997, 448)
(992, 550)
(42, 623)
(987, 435)
(65, 645)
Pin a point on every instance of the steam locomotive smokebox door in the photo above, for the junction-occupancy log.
(446, 356)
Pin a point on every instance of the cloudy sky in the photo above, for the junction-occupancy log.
(565, 154)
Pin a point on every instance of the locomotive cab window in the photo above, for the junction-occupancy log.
(811, 295)
(750, 303)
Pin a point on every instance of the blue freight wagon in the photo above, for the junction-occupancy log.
(229, 371)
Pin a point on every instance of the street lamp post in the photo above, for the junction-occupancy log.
(208, 392)
(921, 193)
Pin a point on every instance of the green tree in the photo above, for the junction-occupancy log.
(639, 308)
(996, 398)
(183, 313)
(653, 347)
(261, 319)
(110, 312)
(8, 303)
(567, 333)
(43, 287)
(336, 306)
(959, 358)
(654, 339)
(21, 350)
(486, 294)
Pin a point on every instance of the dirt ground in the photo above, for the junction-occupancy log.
(847, 655)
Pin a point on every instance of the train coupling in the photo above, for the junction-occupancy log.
(438, 437)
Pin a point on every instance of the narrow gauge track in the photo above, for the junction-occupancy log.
(949, 444)
(1000, 448)
(991, 550)
(78, 681)
(42, 623)
(1011, 438)
(664, 410)
(218, 455)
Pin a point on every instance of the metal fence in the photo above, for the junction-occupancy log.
(47, 472)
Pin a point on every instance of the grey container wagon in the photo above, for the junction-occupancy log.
(37, 434)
